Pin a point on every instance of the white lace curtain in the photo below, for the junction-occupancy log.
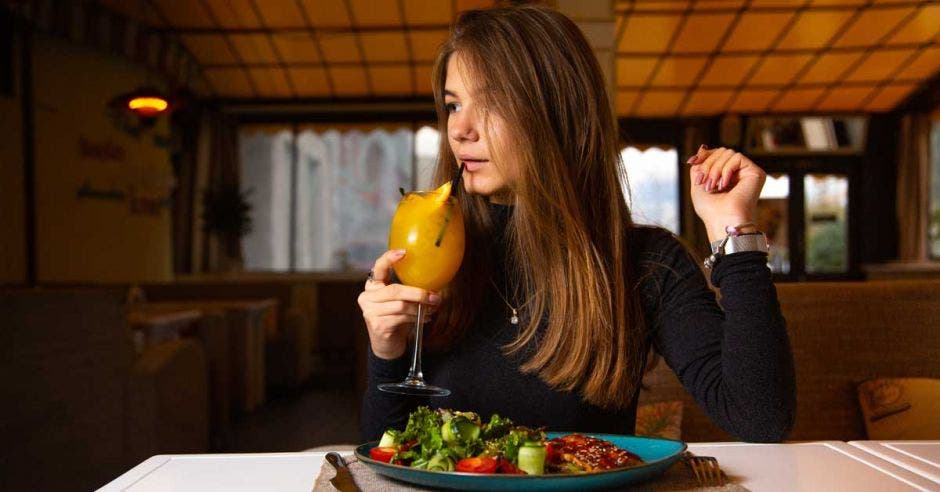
(322, 200)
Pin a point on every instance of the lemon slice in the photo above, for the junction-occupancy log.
(443, 193)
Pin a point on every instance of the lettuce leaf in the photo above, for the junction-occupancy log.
(424, 426)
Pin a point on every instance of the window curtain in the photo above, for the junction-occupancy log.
(187, 128)
(913, 192)
(347, 192)
(693, 230)
(323, 199)
(218, 167)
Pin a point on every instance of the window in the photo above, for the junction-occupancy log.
(427, 145)
(804, 207)
(651, 185)
(322, 199)
(773, 213)
(805, 215)
(827, 200)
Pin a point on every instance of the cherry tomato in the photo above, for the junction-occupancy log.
(479, 464)
(382, 454)
(506, 466)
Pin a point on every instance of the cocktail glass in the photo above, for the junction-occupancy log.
(428, 225)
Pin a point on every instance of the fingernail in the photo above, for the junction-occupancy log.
(398, 253)
(434, 299)
(692, 159)
(699, 177)
(702, 147)
(708, 185)
(721, 184)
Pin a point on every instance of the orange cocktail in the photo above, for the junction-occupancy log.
(428, 225)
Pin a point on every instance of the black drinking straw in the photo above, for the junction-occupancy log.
(454, 183)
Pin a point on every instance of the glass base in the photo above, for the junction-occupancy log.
(415, 387)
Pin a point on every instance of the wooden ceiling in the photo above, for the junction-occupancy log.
(673, 57)
(685, 58)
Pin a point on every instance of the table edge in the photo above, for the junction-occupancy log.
(882, 450)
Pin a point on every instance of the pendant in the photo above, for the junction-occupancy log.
(515, 318)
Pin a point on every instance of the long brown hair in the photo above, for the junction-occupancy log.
(569, 229)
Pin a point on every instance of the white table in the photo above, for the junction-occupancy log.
(830, 466)
(285, 472)
(921, 457)
(812, 466)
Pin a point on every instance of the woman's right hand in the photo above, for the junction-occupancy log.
(390, 310)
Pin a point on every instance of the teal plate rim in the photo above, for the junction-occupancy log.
(361, 453)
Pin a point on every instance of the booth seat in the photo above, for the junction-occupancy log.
(81, 403)
(842, 334)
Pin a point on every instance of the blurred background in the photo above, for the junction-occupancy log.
(193, 190)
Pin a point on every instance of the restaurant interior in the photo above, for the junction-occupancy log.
(193, 192)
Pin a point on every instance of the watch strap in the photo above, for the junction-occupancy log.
(737, 244)
(744, 242)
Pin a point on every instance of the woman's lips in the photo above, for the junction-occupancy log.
(473, 164)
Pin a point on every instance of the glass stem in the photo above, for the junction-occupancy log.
(414, 375)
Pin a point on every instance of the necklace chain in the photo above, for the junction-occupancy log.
(514, 318)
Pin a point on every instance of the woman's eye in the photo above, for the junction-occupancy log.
(452, 107)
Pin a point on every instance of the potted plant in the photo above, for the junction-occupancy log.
(226, 214)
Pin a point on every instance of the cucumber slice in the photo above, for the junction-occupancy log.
(440, 462)
(532, 459)
(459, 429)
(389, 440)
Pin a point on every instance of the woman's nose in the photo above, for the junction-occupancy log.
(463, 126)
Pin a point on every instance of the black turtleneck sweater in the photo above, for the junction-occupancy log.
(734, 359)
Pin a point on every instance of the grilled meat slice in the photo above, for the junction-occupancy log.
(592, 454)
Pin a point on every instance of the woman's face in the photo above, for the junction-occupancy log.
(468, 136)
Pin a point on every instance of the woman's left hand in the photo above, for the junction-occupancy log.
(725, 189)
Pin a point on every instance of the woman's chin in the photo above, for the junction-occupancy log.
(477, 189)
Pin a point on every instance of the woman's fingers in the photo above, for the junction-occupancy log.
(713, 169)
(399, 292)
(728, 169)
(394, 300)
(393, 307)
(390, 309)
(382, 269)
(713, 166)
(701, 163)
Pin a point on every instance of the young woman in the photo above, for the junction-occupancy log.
(521, 99)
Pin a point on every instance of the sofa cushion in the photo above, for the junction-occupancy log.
(662, 419)
(901, 408)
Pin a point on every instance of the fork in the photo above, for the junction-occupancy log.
(706, 469)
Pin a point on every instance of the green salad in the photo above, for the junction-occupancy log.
(448, 440)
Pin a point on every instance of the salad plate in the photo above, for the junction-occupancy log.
(657, 455)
